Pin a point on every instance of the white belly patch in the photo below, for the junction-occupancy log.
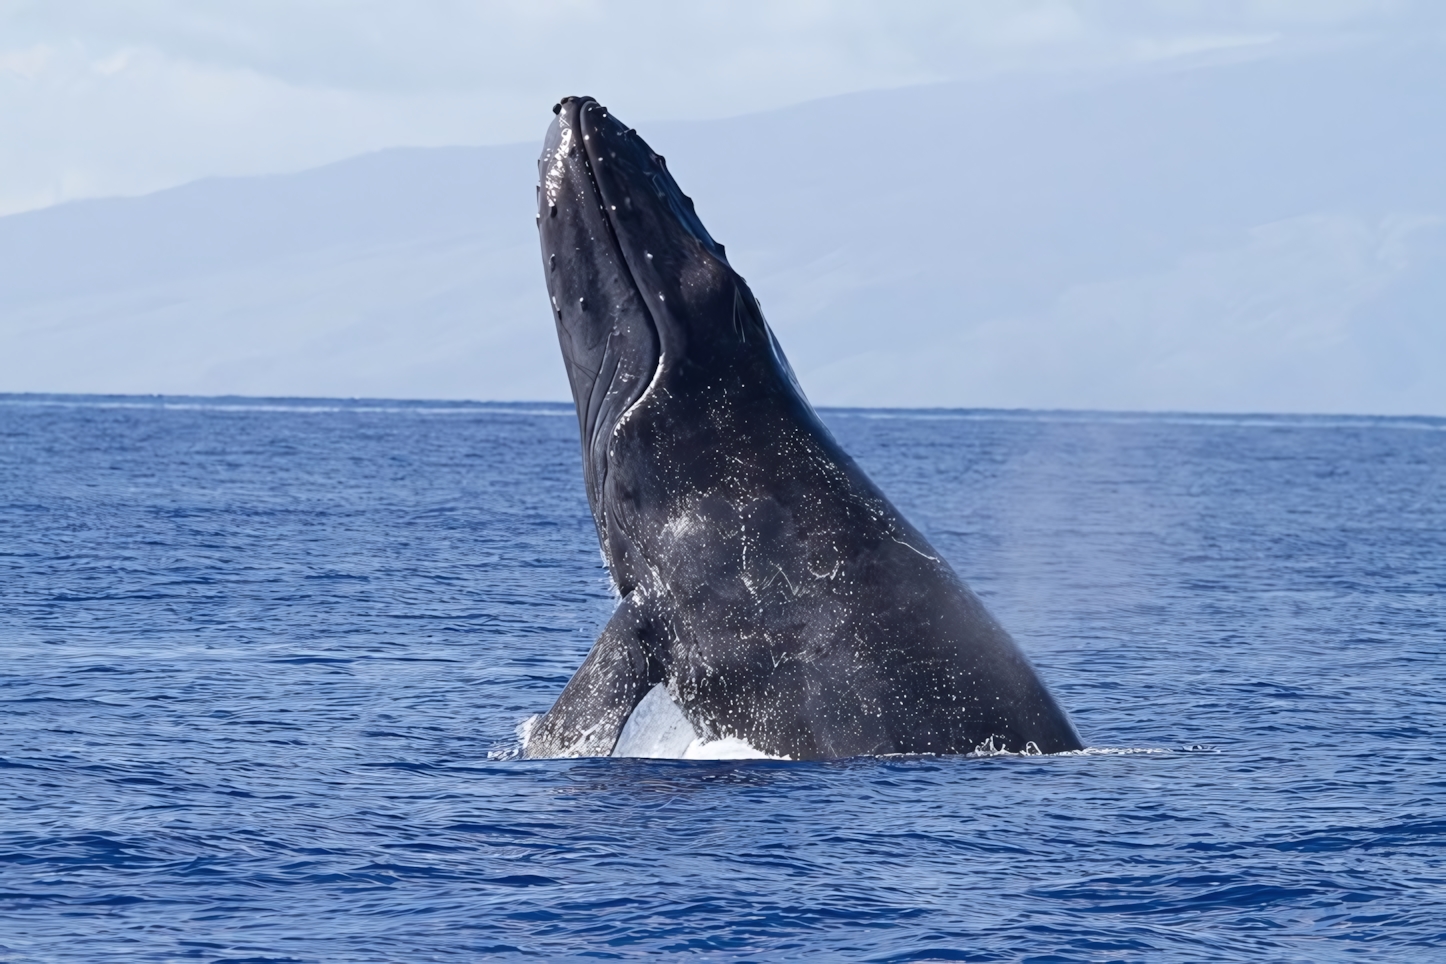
(658, 730)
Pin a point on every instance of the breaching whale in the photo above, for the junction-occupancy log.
(770, 594)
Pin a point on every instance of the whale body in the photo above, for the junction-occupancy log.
(770, 594)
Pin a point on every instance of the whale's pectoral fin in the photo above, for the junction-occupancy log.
(597, 701)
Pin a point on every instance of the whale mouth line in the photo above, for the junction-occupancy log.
(586, 155)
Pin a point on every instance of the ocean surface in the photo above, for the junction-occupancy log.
(264, 666)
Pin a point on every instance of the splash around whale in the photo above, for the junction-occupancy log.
(773, 601)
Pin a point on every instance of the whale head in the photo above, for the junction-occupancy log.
(640, 291)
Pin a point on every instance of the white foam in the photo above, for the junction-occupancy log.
(524, 732)
(728, 748)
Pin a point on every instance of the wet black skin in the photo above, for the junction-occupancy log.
(764, 578)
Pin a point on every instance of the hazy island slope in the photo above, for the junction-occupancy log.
(1266, 236)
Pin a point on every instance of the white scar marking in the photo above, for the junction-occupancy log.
(919, 551)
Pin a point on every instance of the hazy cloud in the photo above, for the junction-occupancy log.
(127, 96)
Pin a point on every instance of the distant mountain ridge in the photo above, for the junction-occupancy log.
(1258, 236)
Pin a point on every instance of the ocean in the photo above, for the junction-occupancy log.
(265, 663)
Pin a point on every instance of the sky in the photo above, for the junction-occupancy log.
(124, 97)
(1161, 205)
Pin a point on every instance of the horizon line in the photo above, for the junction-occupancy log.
(309, 404)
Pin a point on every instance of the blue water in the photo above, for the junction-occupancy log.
(264, 664)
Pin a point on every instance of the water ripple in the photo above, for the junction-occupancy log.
(265, 666)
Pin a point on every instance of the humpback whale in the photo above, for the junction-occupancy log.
(770, 594)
